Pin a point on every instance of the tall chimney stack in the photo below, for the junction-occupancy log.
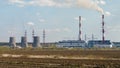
(80, 32)
(103, 29)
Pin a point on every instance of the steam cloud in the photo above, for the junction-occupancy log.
(89, 4)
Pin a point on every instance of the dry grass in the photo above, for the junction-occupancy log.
(61, 58)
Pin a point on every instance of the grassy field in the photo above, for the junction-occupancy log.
(71, 58)
(57, 63)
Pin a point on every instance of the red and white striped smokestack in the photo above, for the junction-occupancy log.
(103, 30)
(80, 32)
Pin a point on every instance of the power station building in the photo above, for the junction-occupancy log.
(91, 43)
(68, 43)
(100, 44)
(71, 43)
(74, 43)
(116, 44)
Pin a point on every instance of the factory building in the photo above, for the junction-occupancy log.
(91, 43)
(100, 44)
(116, 44)
(71, 43)
(74, 43)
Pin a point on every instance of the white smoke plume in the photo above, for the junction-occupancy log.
(101, 2)
(89, 4)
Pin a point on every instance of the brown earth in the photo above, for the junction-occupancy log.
(110, 59)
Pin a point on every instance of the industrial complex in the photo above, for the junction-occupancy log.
(91, 43)
(78, 43)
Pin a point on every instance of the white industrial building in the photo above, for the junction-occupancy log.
(72, 43)
(116, 44)
(100, 43)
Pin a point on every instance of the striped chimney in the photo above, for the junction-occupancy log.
(103, 29)
(80, 32)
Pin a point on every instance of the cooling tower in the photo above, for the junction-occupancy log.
(24, 42)
(36, 41)
(12, 42)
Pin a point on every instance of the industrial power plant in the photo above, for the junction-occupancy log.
(83, 43)
(78, 43)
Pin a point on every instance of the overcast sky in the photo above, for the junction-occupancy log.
(59, 18)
